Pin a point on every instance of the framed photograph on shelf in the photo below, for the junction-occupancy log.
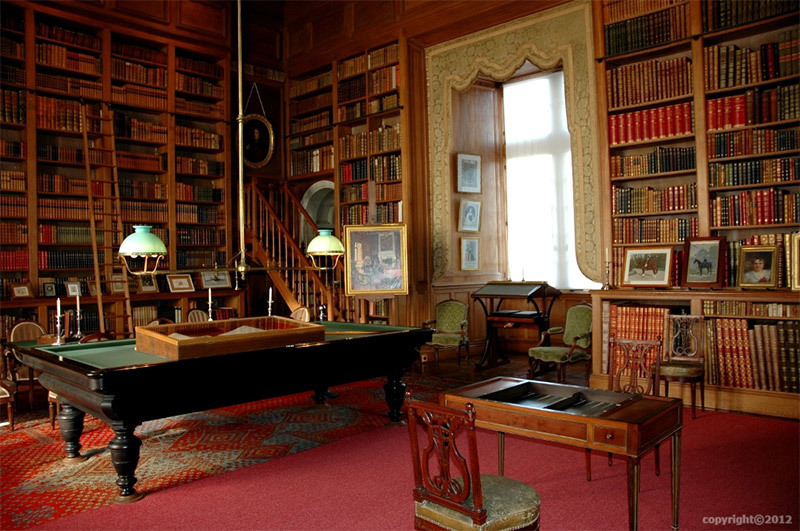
(117, 284)
(469, 216)
(376, 260)
(92, 289)
(649, 267)
(215, 279)
(757, 266)
(702, 262)
(469, 174)
(148, 284)
(21, 291)
(794, 259)
(49, 289)
(181, 282)
(73, 288)
(470, 254)
(259, 141)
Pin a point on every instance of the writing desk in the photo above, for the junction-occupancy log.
(594, 419)
(124, 387)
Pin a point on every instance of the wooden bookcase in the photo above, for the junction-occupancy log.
(170, 108)
(699, 134)
(345, 125)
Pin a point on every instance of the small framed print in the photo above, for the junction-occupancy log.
(215, 279)
(117, 284)
(148, 284)
(757, 266)
(470, 254)
(92, 288)
(49, 289)
(702, 263)
(21, 291)
(180, 283)
(469, 174)
(647, 267)
(469, 216)
(794, 259)
(73, 288)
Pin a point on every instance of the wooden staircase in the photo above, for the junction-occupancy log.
(277, 228)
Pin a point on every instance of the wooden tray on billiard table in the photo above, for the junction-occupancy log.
(210, 338)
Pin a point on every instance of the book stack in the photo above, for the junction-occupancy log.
(633, 322)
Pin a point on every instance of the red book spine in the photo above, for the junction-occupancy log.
(711, 114)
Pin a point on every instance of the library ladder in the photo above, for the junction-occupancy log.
(103, 196)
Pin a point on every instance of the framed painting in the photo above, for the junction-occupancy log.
(795, 261)
(73, 288)
(469, 216)
(179, 283)
(21, 291)
(148, 284)
(702, 265)
(470, 256)
(215, 279)
(469, 174)
(376, 260)
(647, 267)
(757, 264)
(259, 141)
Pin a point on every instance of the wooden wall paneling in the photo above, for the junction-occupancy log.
(207, 16)
(370, 15)
(333, 25)
(153, 10)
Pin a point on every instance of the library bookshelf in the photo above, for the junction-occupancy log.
(699, 134)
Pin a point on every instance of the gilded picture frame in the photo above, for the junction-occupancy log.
(757, 267)
(376, 260)
(259, 141)
(647, 267)
(702, 265)
(794, 259)
(179, 283)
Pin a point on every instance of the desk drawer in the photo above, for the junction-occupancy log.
(610, 436)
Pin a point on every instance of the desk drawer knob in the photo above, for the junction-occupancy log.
(609, 436)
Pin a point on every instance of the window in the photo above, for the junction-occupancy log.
(541, 228)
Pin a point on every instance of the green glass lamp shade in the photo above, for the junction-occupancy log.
(325, 244)
(142, 243)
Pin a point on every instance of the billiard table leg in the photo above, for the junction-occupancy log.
(125, 456)
(70, 424)
(395, 391)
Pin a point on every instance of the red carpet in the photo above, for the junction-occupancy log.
(734, 466)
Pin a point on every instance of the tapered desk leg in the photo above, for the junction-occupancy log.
(634, 470)
(676, 477)
(501, 452)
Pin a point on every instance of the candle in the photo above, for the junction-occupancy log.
(270, 296)
(607, 260)
(58, 306)
(209, 297)
(78, 302)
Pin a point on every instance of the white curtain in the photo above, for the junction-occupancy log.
(541, 229)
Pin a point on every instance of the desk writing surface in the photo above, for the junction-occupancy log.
(520, 290)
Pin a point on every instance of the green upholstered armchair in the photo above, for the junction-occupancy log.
(577, 336)
(451, 328)
(449, 490)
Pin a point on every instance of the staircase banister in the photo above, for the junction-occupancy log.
(299, 207)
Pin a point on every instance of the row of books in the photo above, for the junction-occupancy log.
(133, 211)
(762, 357)
(62, 57)
(310, 104)
(755, 106)
(649, 200)
(732, 66)
(63, 115)
(16, 260)
(660, 160)
(131, 160)
(127, 126)
(12, 233)
(631, 322)
(354, 215)
(312, 160)
(14, 106)
(137, 73)
(353, 171)
(197, 86)
(755, 207)
(384, 55)
(384, 103)
(50, 234)
(751, 142)
(351, 67)
(13, 207)
(721, 14)
(616, 10)
(197, 214)
(386, 168)
(69, 259)
(67, 36)
(354, 192)
(389, 212)
(135, 189)
(351, 89)
(56, 183)
(140, 96)
(197, 166)
(200, 258)
(646, 31)
(200, 236)
(199, 108)
(199, 66)
(13, 180)
(649, 124)
(188, 192)
(13, 148)
(649, 81)
(753, 172)
(77, 209)
(84, 88)
(136, 52)
(389, 192)
(194, 137)
(379, 308)
(354, 145)
(308, 140)
(750, 309)
(649, 230)
(307, 123)
(385, 138)
(10, 73)
(384, 80)
(12, 48)
(299, 87)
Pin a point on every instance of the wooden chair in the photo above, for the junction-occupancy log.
(301, 314)
(449, 490)
(161, 320)
(197, 315)
(20, 374)
(451, 328)
(577, 336)
(683, 362)
(98, 336)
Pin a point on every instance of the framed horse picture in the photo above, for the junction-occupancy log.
(703, 261)
(649, 267)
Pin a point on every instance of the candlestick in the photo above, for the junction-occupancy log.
(78, 303)
(210, 303)
(58, 321)
(58, 306)
(78, 333)
(607, 259)
(269, 303)
(607, 282)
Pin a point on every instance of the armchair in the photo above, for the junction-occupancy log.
(451, 328)
(577, 336)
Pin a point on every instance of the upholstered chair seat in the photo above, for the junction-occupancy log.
(450, 328)
(682, 370)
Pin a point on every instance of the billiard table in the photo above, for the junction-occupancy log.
(123, 387)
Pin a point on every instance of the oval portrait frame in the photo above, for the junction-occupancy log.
(258, 153)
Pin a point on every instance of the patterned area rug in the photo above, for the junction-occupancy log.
(36, 485)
